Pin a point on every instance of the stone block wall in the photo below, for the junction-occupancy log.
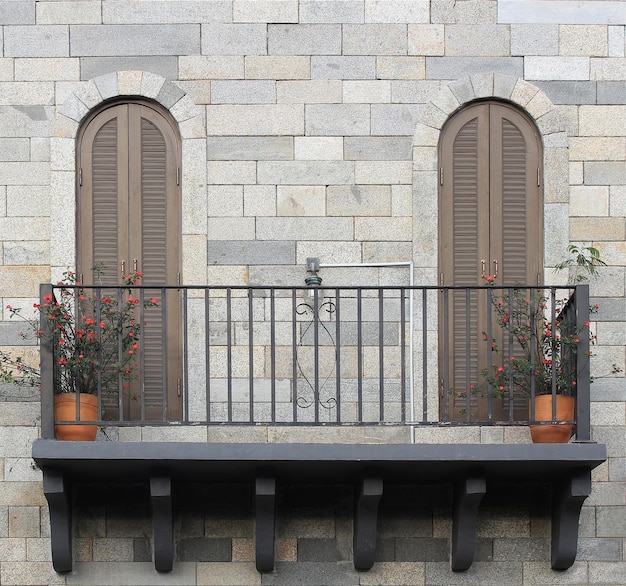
(310, 128)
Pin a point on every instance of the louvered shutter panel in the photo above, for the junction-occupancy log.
(153, 227)
(105, 209)
(465, 259)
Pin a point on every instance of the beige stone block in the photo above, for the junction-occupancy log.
(225, 200)
(24, 173)
(38, 550)
(28, 574)
(277, 67)
(523, 92)
(485, 40)
(129, 82)
(24, 522)
(227, 275)
(26, 93)
(335, 252)
(602, 120)
(589, 200)
(301, 200)
(556, 167)
(576, 173)
(426, 39)
(22, 494)
(318, 148)
(597, 148)
(7, 68)
(194, 259)
(287, 549)
(583, 40)
(210, 67)
(395, 574)
(383, 172)
(227, 573)
(309, 92)
(263, 120)
(369, 92)
(608, 69)
(594, 229)
(608, 413)
(47, 69)
(22, 281)
(391, 67)
(12, 549)
(383, 229)
(617, 200)
(259, 200)
(225, 228)
(231, 172)
(359, 200)
(539, 105)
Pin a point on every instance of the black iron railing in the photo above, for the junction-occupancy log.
(334, 355)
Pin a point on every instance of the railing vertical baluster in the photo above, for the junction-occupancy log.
(48, 370)
(186, 415)
(165, 371)
(403, 355)
(207, 351)
(294, 354)
(120, 350)
(446, 355)
(338, 351)
(510, 353)
(468, 339)
(359, 329)
(273, 352)
(489, 342)
(381, 359)
(250, 357)
(533, 315)
(582, 358)
(553, 348)
(316, 354)
(229, 355)
(142, 358)
(424, 356)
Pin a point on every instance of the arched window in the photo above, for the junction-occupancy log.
(129, 218)
(490, 221)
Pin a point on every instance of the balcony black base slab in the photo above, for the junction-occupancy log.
(470, 468)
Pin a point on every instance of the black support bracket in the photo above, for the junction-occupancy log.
(56, 489)
(368, 498)
(162, 520)
(467, 467)
(468, 492)
(567, 500)
(265, 502)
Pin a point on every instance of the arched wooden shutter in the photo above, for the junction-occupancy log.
(129, 219)
(491, 218)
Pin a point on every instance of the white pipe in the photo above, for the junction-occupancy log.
(393, 264)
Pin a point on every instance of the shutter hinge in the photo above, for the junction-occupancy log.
(538, 177)
(179, 387)
(441, 279)
(178, 278)
(440, 175)
(177, 175)
(80, 177)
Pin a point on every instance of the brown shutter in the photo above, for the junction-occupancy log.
(129, 212)
(490, 212)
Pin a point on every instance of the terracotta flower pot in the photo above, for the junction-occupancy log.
(65, 410)
(553, 434)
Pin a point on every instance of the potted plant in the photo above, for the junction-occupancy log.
(95, 335)
(535, 355)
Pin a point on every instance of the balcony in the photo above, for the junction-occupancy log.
(392, 363)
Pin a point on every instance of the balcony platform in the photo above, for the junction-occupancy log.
(469, 468)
